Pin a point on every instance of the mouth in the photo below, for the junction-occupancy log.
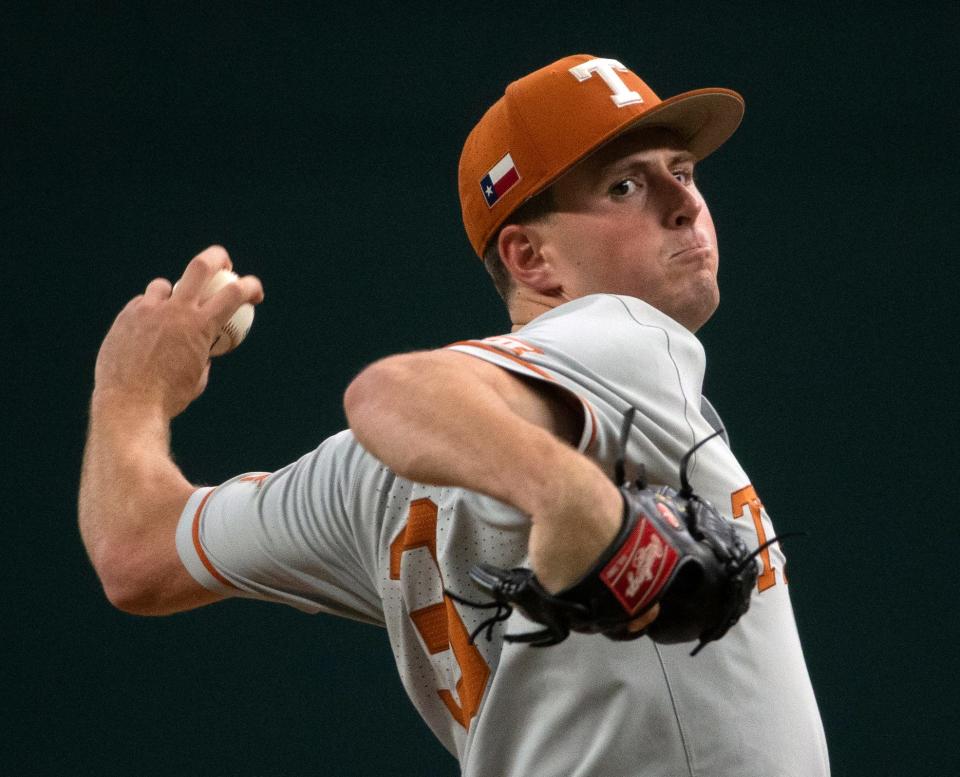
(693, 252)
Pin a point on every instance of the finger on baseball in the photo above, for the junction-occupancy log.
(225, 302)
(158, 289)
(201, 269)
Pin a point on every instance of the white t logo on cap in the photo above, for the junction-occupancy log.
(605, 68)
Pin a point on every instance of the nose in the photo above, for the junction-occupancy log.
(682, 203)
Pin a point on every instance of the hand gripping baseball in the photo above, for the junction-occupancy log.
(157, 352)
(673, 549)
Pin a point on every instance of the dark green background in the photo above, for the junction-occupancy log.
(319, 144)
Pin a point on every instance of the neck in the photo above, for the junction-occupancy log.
(526, 304)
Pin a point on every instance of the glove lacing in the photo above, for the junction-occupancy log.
(503, 612)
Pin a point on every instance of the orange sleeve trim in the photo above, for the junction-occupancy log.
(199, 548)
(258, 479)
(505, 355)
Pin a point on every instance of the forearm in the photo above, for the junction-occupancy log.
(131, 492)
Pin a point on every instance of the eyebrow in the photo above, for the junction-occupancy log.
(626, 163)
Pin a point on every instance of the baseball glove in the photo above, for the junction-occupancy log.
(673, 548)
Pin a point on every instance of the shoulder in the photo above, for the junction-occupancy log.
(603, 334)
(606, 324)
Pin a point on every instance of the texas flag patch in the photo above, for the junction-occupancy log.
(499, 179)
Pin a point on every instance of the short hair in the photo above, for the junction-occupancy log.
(535, 209)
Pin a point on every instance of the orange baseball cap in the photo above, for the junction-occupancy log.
(548, 121)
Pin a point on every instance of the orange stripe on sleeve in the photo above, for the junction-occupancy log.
(199, 548)
(505, 355)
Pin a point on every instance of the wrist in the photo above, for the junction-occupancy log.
(576, 487)
(130, 411)
(576, 520)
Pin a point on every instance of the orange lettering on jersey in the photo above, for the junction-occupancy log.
(420, 532)
(439, 625)
(747, 497)
(431, 623)
(473, 670)
(515, 345)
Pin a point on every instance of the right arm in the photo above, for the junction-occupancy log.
(447, 418)
(154, 361)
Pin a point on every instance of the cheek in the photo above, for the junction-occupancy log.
(587, 245)
(705, 224)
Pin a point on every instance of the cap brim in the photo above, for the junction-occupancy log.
(704, 118)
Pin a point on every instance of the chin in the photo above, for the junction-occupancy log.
(700, 308)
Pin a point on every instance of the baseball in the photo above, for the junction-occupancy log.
(235, 330)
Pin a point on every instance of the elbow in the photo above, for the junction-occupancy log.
(125, 583)
(363, 388)
(374, 389)
(124, 592)
(384, 406)
(356, 396)
(126, 598)
(137, 600)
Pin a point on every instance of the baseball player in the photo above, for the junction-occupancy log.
(577, 191)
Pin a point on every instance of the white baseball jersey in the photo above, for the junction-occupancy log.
(339, 532)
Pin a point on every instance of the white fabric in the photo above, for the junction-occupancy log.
(318, 535)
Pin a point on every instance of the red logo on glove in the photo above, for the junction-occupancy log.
(668, 515)
(640, 569)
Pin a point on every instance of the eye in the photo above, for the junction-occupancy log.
(624, 188)
(684, 175)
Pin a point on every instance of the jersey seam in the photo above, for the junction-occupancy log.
(350, 509)
(676, 367)
(676, 712)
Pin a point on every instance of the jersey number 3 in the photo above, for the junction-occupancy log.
(439, 625)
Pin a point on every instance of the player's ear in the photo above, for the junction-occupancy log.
(520, 250)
